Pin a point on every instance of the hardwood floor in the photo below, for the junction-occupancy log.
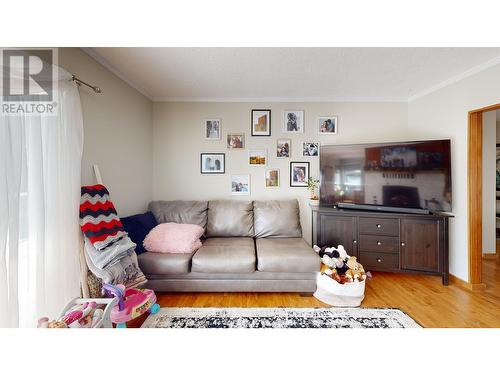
(424, 298)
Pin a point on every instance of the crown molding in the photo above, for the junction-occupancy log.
(197, 99)
(470, 72)
(101, 60)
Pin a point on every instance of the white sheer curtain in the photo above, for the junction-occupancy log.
(40, 162)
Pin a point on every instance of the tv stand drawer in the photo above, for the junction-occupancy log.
(379, 261)
(378, 244)
(380, 226)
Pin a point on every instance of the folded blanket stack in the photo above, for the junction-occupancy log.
(109, 252)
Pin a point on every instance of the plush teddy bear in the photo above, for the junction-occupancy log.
(355, 271)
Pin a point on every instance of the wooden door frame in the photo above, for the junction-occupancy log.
(475, 195)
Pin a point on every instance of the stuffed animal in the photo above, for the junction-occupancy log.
(325, 270)
(336, 263)
(355, 271)
(334, 258)
(341, 266)
(332, 272)
(328, 261)
(323, 250)
(57, 324)
(342, 252)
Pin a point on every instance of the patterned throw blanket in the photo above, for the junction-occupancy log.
(98, 218)
(109, 252)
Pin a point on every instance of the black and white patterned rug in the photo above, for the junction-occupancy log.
(187, 317)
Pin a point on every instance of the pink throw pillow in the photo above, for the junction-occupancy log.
(174, 238)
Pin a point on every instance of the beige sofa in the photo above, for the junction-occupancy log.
(252, 246)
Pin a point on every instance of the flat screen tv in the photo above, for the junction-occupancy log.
(402, 176)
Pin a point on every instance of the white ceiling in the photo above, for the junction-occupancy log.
(294, 74)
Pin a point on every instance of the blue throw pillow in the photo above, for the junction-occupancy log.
(138, 227)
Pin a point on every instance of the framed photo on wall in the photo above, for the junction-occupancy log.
(257, 157)
(293, 121)
(272, 178)
(327, 125)
(236, 141)
(261, 122)
(299, 173)
(213, 129)
(283, 148)
(212, 163)
(240, 184)
(310, 148)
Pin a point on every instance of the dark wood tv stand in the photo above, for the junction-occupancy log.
(382, 241)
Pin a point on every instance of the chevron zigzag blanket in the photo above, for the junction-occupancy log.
(98, 218)
(109, 252)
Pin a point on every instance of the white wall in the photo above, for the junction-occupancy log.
(443, 114)
(489, 181)
(118, 133)
(178, 139)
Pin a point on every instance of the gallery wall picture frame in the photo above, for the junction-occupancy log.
(213, 129)
(240, 184)
(235, 141)
(212, 163)
(283, 148)
(299, 173)
(260, 123)
(293, 121)
(327, 125)
(257, 158)
(310, 148)
(272, 178)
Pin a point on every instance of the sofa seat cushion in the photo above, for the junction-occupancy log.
(164, 264)
(286, 255)
(225, 255)
(277, 218)
(230, 218)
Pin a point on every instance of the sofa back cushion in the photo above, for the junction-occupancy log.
(230, 219)
(277, 218)
(180, 212)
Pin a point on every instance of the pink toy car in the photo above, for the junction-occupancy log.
(132, 303)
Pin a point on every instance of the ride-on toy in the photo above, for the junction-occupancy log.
(132, 302)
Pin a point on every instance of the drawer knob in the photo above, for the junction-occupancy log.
(379, 243)
(403, 244)
(354, 241)
(379, 260)
(379, 226)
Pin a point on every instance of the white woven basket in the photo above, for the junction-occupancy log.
(332, 293)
